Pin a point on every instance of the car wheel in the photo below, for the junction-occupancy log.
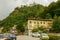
(32, 36)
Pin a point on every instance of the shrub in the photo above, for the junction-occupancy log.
(54, 37)
(45, 39)
(34, 30)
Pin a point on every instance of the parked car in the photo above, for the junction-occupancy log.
(4, 37)
(35, 34)
(7, 36)
(1, 37)
(13, 36)
(44, 36)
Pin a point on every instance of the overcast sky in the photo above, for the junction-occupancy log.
(7, 6)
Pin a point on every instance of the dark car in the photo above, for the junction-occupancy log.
(6, 36)
(1, 36)
(10, 36)
(13, 36)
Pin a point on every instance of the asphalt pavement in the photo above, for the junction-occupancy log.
(24, 37)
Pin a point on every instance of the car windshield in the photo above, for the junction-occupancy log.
(44, 34)
(9, 35)
(6, 35)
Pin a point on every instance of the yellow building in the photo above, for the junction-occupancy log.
(35, 23)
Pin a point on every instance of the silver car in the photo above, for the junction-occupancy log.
(44, 36)
(35, 34)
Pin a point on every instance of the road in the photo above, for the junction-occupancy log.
(24, 37)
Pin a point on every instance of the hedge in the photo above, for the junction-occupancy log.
(54, 37)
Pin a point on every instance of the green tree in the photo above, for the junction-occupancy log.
(56, 24)
(54, 8)
(20, 28)
(6, 29)
(48, 16)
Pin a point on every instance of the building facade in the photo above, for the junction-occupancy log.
(35, 23)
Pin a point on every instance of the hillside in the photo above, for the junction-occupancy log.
(21, 14)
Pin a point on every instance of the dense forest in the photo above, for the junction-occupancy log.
(20, 15)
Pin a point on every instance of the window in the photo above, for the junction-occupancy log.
(44, 22)
(30, 22)
(41, 22)
(34, 22)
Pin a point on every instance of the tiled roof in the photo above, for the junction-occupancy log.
(40, 19)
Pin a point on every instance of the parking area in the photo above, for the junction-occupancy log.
(24, 37)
